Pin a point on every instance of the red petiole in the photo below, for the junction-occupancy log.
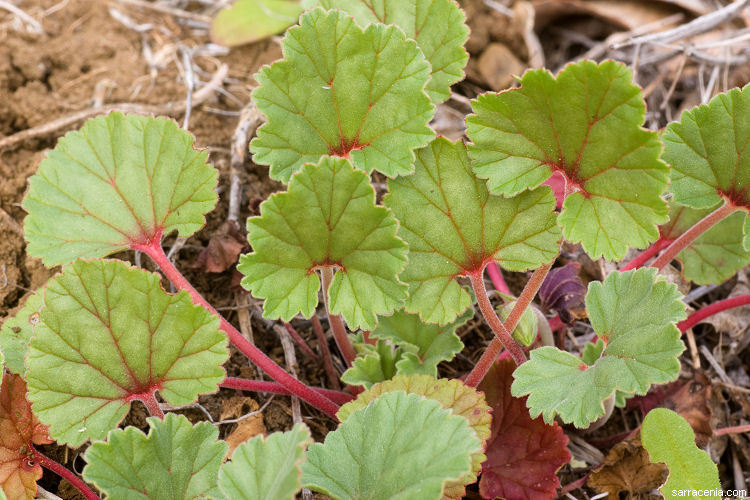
(64, 473)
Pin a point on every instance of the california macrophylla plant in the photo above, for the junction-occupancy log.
(352, 96)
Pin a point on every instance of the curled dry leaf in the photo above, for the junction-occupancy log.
(564, 292)
(627, 468)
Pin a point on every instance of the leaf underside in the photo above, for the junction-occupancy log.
(438, 27)
(176, 460)
(388, 450)
(17, 331)
(248, 21)
(454, 227)
(346, 92)
(587, 125)
(634, 314)
(328, 218)
(120, 180)
(110, 334)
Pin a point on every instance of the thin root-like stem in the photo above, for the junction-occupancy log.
(64, 473)
(337, 324)
(300, 341)
(647, 254)
(740, 429)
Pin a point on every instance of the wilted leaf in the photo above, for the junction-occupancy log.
(454, 227)
(222, 250)
(176, 461)
(563, 292)
(266, 468)
(110, 334)
(587, 125)
(328, 218)
(523, 454)
(17, 331)
(121, 180)
(345, 92)
(628, 469)
(248, 21)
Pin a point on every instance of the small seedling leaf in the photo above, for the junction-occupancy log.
(388, 450)
(328, 218)
(266, 468)
(19, 428)
(669, 438)
(121, 180)
(438, 27)
(523, 454)
(17, 331)
(345, 92)
(454, 227)
(373, 364)
(248, 21)
(717, 254)
(176, 460)
(452, 395)
(634, 315)
(587, 125)
(110, 334)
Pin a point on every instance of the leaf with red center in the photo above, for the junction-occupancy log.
(328, 218)
(110, 334)
(121, 180)
(523, 453)
(19, 428)
(587, 125)
(346, 92)
(454, 227)
(709, 154)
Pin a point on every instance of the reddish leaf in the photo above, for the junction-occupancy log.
(223, 249)
(19, 428)
(523, 454)
(557, 183)
(563, 292)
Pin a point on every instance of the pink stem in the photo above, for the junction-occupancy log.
(274, 388)
(497, 278)
(152, 405)
(732, 430)
(156, 252)
(714, 308)
(300, 341)
(333, 376)
(647, 254)
(64, 473)
(693, 233)
(337, 324)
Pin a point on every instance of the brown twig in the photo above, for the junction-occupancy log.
(249, 120)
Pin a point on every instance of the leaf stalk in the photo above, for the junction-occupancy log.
(337, 324)
(64, 473)
(244, 384)
(712, 309)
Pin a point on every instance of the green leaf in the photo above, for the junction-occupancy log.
(175, 461)
(328, 218)
(17, 331)
(454, 227)
(248, 21)
(110, 334)
(427, 345)
(373, 364)
(634, 315)
(587, 125)
(438, 27)
(266, 469)
(669, 438)
(121, 180)
(525, 331)
(345, 92)
(453, 395)
(388, 450)
(717, 254)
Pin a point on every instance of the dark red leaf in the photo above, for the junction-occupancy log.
(563, 291)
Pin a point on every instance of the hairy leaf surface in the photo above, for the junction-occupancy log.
(17, 331)
(248, 21)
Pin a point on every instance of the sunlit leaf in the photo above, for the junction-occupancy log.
(248, 21)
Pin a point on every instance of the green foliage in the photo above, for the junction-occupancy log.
(586, 124)
(343, 91)
(328, 218)
(16, 332)
(266, 469)
(454, 227)
(388, 450)
(175, 461)
(373, 364)
(248, 21)
(438, 27)
(109, 334)
(634, 315)
(669, 438)
(525, 331)
(120, 180)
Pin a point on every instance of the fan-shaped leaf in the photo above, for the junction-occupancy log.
(17, 331)
(454, 227)
(345, 92)
(634, 315)
(121, 180)
(110, 334)
(388, 450)
(669, 438)
(587, 125)
(176, 460)
(266, 469)
(19, 429)
(248, 21)
(523, 454)
(328, 218)
(438, 27)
